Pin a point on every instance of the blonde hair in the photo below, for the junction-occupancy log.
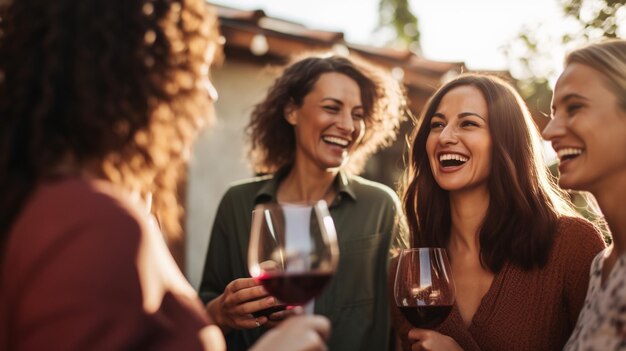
(609, 58)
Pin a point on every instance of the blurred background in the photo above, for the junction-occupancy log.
(420, 43)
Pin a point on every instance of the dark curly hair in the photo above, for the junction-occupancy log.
(525, 201)
(271, 139)
(112, 88)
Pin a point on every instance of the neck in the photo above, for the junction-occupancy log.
(468, 210)
(305, 184)
(610, 198)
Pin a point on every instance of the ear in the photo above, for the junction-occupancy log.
(290, 114)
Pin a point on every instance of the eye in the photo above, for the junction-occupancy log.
(469, 123)
(331, 108)
(358, 115)
(572, 108)
(436, 125)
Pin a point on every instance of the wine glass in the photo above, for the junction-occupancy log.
(293, 250)
(424, 290)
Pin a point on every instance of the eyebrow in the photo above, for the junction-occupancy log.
(461, 115)
(333, 100)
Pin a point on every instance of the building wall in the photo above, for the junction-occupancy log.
(219, 157)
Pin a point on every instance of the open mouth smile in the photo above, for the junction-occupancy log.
(336, 141)
(451, 160)
(568, 153)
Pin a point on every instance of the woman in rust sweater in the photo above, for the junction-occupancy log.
(479, 187)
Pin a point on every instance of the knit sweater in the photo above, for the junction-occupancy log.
(525, 309)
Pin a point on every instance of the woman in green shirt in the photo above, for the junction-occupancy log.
(320, 121)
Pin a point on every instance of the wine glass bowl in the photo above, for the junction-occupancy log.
(293, 250)
(424, 290)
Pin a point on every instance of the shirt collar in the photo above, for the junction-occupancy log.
(267, 193)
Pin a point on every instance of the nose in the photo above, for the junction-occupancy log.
(346, 123)
(554, 129)
(448, 135)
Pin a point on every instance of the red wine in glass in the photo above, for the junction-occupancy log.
(426, 317)
(424, 290)
(293, 250)
(295, 288)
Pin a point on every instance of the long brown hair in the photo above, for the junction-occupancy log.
(272, 143)
(525, 201)
(113, 86)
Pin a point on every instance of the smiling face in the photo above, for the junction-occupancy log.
(329, 124)
(459, 144)
(587, 130)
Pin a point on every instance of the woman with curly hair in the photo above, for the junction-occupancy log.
(320, 121)
(519, 254)
(99, 103)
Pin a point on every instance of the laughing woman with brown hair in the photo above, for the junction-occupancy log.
(478, 186)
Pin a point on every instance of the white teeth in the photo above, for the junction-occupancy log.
(570, 151)
(445, 157)
(336, 140)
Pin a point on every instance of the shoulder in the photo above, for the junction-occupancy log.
(577, 230)
(77, 227)
(247, 187)
(370, 190)
(78, 200)
(577, 235)
(65, 210)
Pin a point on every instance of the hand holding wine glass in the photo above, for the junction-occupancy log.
(293, 250)
(424, 290)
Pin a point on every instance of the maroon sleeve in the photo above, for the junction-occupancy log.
(75, 285)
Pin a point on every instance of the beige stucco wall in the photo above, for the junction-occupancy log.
(219, 155)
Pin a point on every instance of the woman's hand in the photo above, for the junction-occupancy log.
(232, 309)
(430, 340)
(301, 333)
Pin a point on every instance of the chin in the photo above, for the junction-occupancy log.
(568, 183)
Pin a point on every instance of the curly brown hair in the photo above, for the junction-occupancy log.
(114, 86)
(271, 139)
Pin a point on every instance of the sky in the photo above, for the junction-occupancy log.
(470, 31)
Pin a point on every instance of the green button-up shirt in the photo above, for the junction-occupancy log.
(366, 215)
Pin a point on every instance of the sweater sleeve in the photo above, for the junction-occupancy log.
(581, 244)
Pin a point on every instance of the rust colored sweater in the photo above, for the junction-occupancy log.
(526, 310)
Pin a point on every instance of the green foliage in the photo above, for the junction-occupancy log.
(603, 18)
(397, 15)
(532, 51)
